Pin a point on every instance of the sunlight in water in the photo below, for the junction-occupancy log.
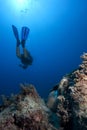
(23, 5)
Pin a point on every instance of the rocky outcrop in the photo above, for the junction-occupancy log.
(71, 102)
(25, 111)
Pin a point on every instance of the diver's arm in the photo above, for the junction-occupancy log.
(23, 66)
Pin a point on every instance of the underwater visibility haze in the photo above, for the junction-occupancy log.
(57, 38)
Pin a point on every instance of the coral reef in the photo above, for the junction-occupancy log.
(65, 109)
(72, 99)
(25, 111)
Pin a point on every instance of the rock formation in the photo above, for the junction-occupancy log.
(25, 111)
(72, 99)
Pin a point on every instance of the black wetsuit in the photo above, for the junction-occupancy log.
(26, 61)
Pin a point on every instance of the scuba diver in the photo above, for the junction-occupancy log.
(26, 58)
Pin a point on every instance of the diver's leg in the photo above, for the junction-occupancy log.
(23, 43)
(18, 52)
(27, 55)
(25, 52)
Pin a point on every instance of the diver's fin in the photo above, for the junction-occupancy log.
(24, 33)
(15, 31)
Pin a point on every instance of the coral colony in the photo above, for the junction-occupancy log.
(65, 108)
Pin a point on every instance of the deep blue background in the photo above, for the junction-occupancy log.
(57, 38)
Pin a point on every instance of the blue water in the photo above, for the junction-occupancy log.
(58, 36)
